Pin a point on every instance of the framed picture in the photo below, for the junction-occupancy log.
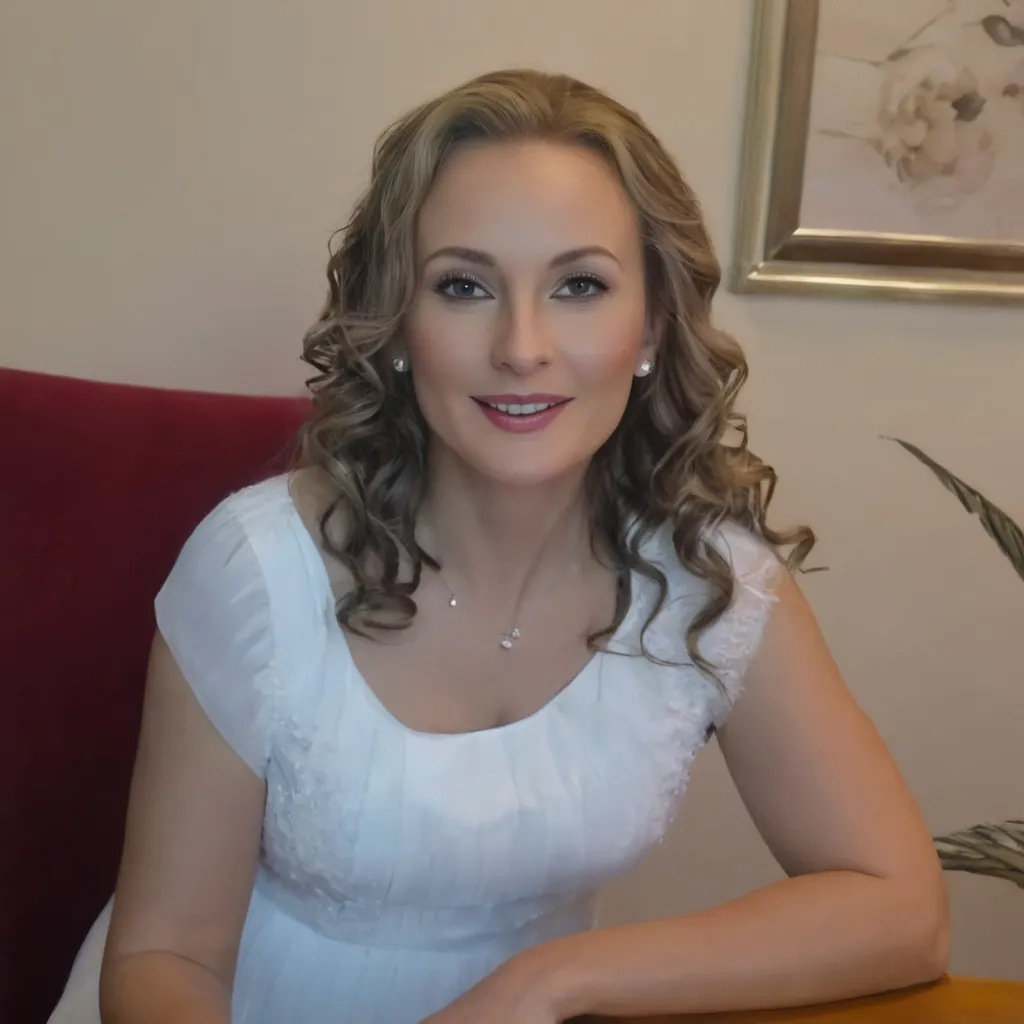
(884, 149)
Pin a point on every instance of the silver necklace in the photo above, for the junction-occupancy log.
(508, 638)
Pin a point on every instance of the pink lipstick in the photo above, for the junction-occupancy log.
(521, 414)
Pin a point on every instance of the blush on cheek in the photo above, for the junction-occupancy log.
(446, 371)
(603, 375)
(444, 346)
(608, 364)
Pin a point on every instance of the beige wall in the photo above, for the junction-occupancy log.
(169, 178)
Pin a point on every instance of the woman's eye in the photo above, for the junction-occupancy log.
(461, 288)
(581, 287)
(467, 289)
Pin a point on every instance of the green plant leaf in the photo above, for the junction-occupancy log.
(997, 524)
(993, 850)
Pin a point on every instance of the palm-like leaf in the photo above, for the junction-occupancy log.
(995, 850)
(997, 524)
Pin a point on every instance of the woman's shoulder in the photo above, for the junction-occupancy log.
(224, 610)
(255, 510)
(729, 643)
(257, 528)
(278, 523)
(273, 507)
(752, 560)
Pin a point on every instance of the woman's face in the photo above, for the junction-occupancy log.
(530, 318)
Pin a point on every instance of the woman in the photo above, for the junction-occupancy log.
(410, 705)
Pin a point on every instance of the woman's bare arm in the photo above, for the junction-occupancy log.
(190, 855)
(864, 906)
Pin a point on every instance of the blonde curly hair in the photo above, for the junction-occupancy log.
(668, 462)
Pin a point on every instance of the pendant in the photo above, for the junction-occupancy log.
(509, 638)
(452, 602)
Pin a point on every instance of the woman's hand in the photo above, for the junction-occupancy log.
(518, 992)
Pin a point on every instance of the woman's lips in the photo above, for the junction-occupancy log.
(521, 414)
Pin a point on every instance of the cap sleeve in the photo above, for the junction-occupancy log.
(731, 643)
(214, 613)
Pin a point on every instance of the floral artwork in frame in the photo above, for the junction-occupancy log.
(884, 149)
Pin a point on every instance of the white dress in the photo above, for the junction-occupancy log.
(399, 868)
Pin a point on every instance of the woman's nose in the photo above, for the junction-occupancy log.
(523, 344)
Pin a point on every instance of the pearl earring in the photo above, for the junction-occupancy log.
(645, 368)
(400, 365)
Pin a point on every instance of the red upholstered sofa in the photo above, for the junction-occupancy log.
(100, 484)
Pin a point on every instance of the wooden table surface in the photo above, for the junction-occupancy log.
(950, 1001)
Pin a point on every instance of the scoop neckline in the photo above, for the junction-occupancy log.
(377, 706)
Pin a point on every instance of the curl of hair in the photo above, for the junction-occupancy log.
(679, 455)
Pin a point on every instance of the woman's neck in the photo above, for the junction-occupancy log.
(486, 532)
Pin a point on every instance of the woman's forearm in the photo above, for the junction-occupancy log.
(162, 988)
(814, 938)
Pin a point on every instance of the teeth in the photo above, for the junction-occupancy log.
(528, 409)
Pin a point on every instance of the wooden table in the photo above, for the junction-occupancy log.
(950, 1001)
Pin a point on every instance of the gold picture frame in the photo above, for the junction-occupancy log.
(776, 252)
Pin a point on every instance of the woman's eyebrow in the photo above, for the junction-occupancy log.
(487, 260)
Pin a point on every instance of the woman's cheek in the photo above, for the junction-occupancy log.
(441, 341)
(447, 361)
(607, 354)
